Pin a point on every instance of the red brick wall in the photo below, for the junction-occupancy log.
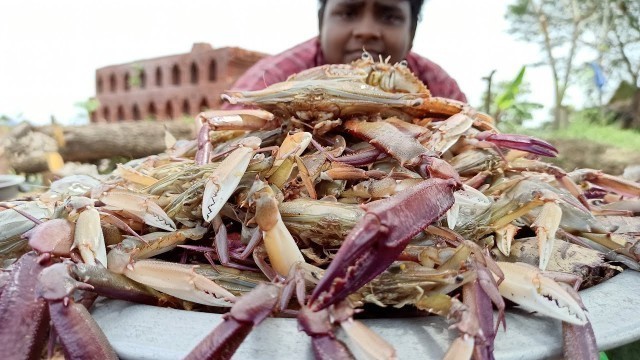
(171, 86)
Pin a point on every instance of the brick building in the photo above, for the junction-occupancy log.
(170, 86)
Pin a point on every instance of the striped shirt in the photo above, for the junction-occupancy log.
(278, 68)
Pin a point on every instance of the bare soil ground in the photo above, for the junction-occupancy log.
(576, 154)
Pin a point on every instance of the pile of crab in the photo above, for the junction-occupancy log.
(342, 176)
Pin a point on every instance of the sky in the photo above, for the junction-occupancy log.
(49, 50)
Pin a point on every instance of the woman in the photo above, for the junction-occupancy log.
(382, 27)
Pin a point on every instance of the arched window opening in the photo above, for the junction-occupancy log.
(106, 114)
(175, 75)
(120, 113)
(158, 76)
(204, 105)
(112, 83)
(212, 71)
(152, 113)
(127, 82)
(168, 110)
(143, 79)
(186, 108)
(193, 70)
(136, 112)
(99, 85)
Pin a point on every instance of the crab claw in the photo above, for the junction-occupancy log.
(376, 241)
(519, 142)
(528, 287)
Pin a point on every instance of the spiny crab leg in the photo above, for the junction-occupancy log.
(528, 287)
(380, 236)
(225, 178)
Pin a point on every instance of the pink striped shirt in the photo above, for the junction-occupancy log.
(277, 68)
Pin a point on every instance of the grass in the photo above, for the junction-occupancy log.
(589, 143)
(581, 128)
(610, 135)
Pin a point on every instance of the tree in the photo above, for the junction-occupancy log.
(506, 102)
(619, 48)
(556, 26)
(87, 108)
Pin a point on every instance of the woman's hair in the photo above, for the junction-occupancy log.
(416, 7)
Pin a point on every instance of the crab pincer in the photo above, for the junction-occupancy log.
(383, 232)
(519, 142)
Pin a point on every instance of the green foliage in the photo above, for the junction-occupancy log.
(626, 352)
(508, 97)
(510, 107)
(135, 80)
(89, 106)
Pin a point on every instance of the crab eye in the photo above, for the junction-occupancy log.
(404, 63)
(366, 55)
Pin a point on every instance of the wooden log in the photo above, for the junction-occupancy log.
(28, 148)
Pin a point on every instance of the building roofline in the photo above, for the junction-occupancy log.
(237, 54)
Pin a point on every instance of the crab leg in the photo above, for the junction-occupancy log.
(78, 332)
(179, 280)
(115, 286)
(367, 342)
(376, 241)
(281, 247)
(528, 287)
(609, 182)
(140, 206)
(236, 119)
(316, 325)
(89, 239)
(546, 226)
(249, 311)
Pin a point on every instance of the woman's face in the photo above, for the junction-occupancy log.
(382, 27)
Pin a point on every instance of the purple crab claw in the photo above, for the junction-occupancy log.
(519, 142)
(377, 240)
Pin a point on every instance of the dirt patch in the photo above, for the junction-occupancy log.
(576, 154)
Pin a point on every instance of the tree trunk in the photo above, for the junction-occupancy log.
(634, 112)
(28, 147)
